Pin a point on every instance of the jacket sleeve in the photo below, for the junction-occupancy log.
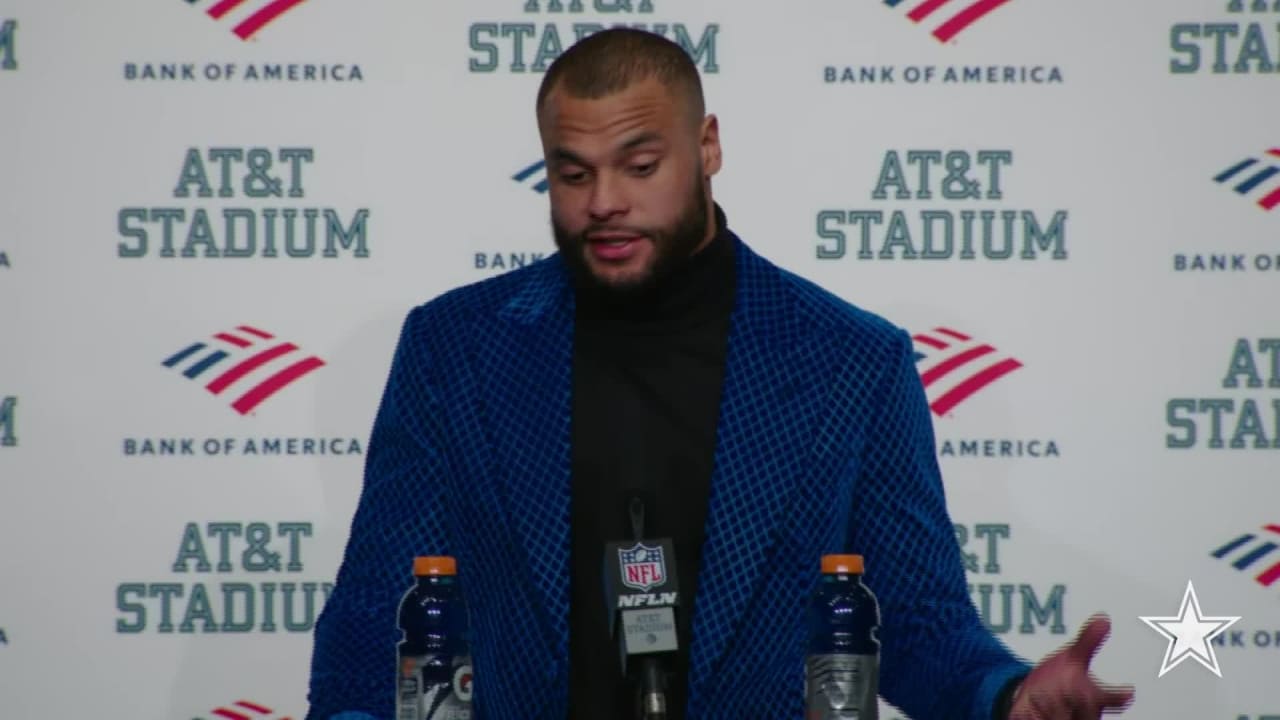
(938, 660)
(397, 517)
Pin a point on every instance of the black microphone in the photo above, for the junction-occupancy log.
(642, 592)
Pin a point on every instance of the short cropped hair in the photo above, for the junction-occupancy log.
(611, 60)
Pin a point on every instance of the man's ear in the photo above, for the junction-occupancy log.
(709, 141)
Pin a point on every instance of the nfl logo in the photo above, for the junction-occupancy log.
(642, 566)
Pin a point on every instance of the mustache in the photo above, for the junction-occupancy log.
(614, 230)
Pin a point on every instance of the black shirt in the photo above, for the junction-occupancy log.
(646, 398)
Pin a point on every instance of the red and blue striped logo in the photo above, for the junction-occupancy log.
(255, 15)
(1252, 176)
(246, 361)
(953, 367)
(946, 18)
(242, 710)
(1255, 552)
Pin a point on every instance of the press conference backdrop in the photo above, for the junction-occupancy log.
(217, 213)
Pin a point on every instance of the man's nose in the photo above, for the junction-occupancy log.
(607, 197)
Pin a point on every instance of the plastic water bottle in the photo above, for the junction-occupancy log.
(842, 670)
(433, 678)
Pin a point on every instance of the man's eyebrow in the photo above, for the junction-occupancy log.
(564, 155)
(641, 139)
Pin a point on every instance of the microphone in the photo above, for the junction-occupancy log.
(642, 592)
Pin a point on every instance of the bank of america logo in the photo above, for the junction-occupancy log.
(246, 363)
(947, 18)
(1255, 552)
(242, 710)
(247, 16)
(1252, 176)
(535, 176)
(954, 366)
(1257, 6)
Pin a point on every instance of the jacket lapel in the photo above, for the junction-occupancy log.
(526, 361)
(767, 414)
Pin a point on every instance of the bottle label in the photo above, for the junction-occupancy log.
(842, 687)
(424, 692)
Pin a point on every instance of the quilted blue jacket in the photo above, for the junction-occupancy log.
(825, 444)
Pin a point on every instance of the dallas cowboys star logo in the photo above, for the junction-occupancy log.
(1189, 634)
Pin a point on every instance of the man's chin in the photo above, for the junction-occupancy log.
(621, 283)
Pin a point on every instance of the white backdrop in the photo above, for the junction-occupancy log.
(141, 513)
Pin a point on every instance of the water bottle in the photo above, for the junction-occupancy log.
(433, 678)
(842, 670)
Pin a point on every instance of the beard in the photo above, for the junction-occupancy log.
(672, 247)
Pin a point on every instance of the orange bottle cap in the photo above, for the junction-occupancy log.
(837, 564)
(434, 565)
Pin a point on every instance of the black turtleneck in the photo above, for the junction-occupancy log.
(646, 398)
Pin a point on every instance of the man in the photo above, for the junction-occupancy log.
(656, 355)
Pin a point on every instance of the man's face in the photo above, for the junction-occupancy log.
(626, 176)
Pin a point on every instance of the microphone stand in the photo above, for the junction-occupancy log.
(653, 691)
(654, 697)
